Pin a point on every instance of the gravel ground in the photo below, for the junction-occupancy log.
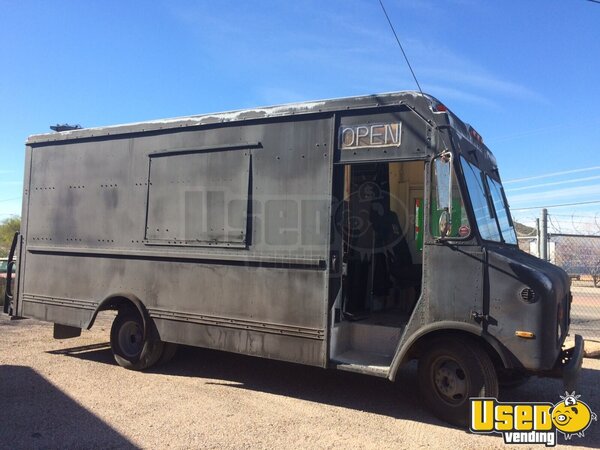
(72, 394)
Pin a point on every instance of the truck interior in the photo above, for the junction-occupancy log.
(381, 224)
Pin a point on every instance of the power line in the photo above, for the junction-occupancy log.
(400, 45)
(556, 206)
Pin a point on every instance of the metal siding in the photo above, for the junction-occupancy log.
(421, 103)
(86, 238)
(453, 281)
(22, 254)
(290, 182)
(85, 195)
(414, 134)
(286, 348)
(511, 270)
(274, 295)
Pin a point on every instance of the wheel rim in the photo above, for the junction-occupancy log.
(450, 380)
(131, 339)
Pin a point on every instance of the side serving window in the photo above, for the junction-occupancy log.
(448, 214)
(198, 198)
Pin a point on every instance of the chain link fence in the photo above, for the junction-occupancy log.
(579, 256)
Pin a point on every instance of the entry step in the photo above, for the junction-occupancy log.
(363, 362)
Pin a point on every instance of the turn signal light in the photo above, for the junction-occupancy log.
(525, 334)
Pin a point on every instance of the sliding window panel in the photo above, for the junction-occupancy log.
(199, 198)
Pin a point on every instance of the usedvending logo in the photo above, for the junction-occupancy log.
(532, 422)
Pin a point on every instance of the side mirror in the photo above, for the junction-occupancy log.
(443, 192)
(445, 223)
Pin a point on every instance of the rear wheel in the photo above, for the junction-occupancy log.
(452, 371)
(169, 351)
(131, 347)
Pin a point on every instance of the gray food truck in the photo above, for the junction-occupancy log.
(355, 234)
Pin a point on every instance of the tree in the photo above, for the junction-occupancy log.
(8, 228)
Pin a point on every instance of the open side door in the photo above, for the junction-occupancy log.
(10, 294)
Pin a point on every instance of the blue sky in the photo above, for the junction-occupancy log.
(524, 74)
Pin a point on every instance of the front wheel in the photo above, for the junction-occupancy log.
(131, 347)
(452, 371)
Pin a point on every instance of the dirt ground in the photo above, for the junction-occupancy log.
(71, 394)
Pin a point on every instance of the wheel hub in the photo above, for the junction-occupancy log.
(450, 381)
(131, 339)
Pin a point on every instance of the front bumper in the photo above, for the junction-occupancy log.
(568, 365)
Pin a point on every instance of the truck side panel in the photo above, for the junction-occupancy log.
(221, 232)
(17, 305)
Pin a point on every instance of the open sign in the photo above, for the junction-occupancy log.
(376, 135)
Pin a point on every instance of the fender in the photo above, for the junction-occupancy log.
(114, 301)
(449, 326)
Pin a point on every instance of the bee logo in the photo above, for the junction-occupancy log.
(572, 416)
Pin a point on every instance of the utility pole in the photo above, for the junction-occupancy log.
(544, 235)
(538, 237)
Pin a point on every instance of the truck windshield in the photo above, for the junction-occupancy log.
(504, 219)
(489, 205)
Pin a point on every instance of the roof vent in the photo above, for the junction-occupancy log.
(64, 127)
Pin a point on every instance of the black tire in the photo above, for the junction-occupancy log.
(450, 372)
(509, 379)
(169, 351)
(129, 346)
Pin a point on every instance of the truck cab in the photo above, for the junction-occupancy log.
(431, 269)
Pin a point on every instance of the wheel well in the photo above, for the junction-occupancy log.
(421, 344)
(119, 303)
